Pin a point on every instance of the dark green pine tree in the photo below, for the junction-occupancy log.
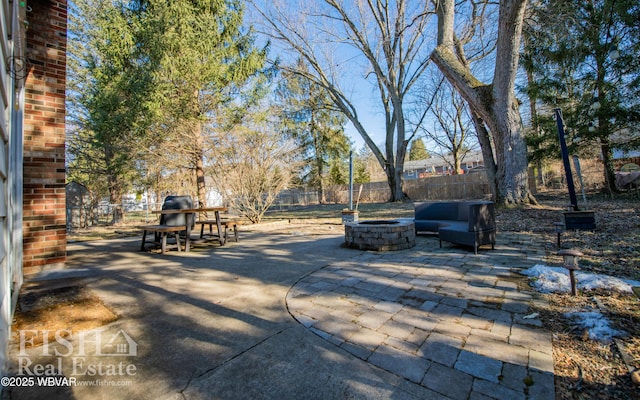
(205, 59)
(418, 150)
(582, 57)
(109, 98)
(309, 117)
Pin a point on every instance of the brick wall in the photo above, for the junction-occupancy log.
(44, 135)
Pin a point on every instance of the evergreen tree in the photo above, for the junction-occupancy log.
(360, 171)
(205, 58)
(590, 70)
(418, 150)
(310, 119)
(155, 79)
(337, 174)
(110, 99)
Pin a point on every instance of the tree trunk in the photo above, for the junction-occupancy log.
(535, 125)
(401, 153)
(495, 104)
(391, 181)
(115, 199)
(320, 169)
(200, 181)
(511, 149)
(487, 154)
(201, 189)
(604, 126)
(609, 168)
(114, 184)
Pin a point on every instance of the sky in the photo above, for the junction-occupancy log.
(350, 64)
(363, 92)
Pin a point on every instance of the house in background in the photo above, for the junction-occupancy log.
(32, 160)
(440, 166)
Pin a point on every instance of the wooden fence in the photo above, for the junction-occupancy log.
(449, 187)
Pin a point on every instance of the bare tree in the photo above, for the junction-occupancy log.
(451, 131)
(494, 105)
(252, 165)
(386, 39)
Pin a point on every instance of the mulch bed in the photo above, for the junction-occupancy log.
(585, 368)
(59, 311)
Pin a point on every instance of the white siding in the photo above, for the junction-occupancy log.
(11, 104)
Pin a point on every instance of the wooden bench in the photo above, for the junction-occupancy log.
(224, 222)
(162, 231)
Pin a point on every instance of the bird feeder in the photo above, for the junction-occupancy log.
(570, 262)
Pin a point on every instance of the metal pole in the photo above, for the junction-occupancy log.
(565, 159)
(576, 164)
(351, 180)
(572, 278)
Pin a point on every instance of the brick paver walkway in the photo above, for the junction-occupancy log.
(446, 319)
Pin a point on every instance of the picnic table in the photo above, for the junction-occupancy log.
(189, 220)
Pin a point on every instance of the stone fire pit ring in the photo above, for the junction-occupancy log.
(380, 235)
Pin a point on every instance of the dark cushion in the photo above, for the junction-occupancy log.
(455, 216)
(463, 211)
(482, 216)
(467, 238)
(430, 225)
(436, 211)
(455, 226)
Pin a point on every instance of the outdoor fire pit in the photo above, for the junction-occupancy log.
(380, 235)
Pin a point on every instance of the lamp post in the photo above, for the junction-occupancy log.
(565, 159)
(559, 228)
(570, 262)
(351, 180)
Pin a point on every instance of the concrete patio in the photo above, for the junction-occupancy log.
(298, 315)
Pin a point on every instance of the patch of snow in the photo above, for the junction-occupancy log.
(595, 323)
(556, 280)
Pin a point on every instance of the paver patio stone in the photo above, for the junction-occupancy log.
(396, 329)
(367, 338)
(491, 314)
(401, 345)
(445, 311)
(463, 316)
(495, 391)
(373, 320)
(357, 350)
(514, 376)
(387, 306)
(475, 322)
(453, 328)
(418, 336)
(416, 318)
(542, 362)
(479, 366)
(530, 337)
(543, 386)
(448, 381)
(404, 364)
(441, 348)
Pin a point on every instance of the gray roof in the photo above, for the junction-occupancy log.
(438, 161)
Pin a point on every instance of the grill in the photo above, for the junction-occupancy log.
(177, 203)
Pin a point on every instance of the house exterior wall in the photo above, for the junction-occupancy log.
(12, 47)
(44, 211)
